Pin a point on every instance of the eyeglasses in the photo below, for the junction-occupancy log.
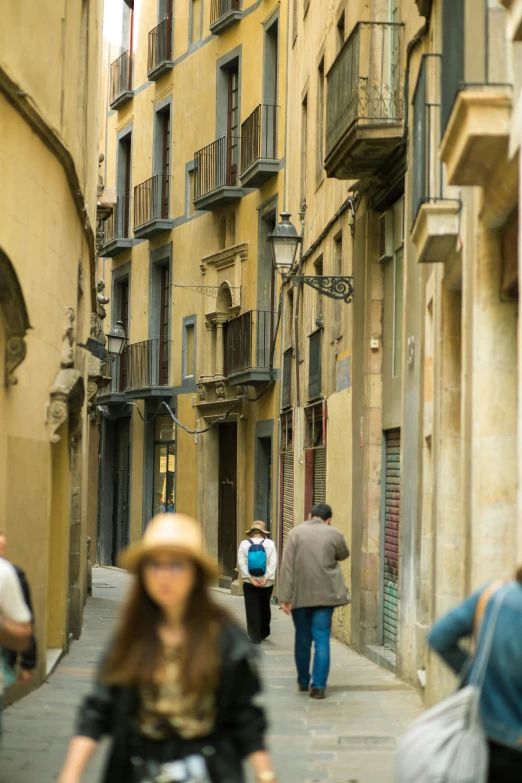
(171, 567)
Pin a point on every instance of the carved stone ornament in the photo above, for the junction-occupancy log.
(221, 390)
(67, 396)
(202, 391)
(14, 317)
(92, 391)
(67, 357)
(68, 390)
(241, 391)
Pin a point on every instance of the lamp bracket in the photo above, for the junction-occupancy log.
(333, 286)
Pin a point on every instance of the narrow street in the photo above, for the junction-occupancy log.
(348, 738)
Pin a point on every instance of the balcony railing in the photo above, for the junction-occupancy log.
(120, 77)
(216, 166)
(366, 81)
(428, 169)
(314, 367)
(471, 60)
(286, 396)
(147, 363)
(160, 45)
(140, 365)
(116, 370)
(220, 8)
(151, 200)
(259, 136)
(247, 341)
(118, 225)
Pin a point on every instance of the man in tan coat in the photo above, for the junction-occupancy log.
(311, 586)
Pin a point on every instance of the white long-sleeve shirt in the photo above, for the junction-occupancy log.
(271, 558)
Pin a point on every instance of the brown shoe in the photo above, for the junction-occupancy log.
(302, 688)
(317, 693)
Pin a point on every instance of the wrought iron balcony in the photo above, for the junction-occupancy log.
(141, 370)
(147, 368)
(216, 174)
(223, 14)
(286, 397)
(120, 83)
(365, 101)
(247, 346)
(476, 96)
(160, 55)
(314, 364)
(117, 228)
(259, 146)
(152, 206)
(435, 204)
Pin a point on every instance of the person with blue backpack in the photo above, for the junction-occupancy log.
(257, 560)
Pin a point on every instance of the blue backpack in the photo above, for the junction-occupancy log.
(256, 560)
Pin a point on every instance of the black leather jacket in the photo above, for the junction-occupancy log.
(240, 722)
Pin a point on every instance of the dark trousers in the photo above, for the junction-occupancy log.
(257, 608)
(505, 764)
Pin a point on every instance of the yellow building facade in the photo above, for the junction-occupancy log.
(48, 165)
(194, 146)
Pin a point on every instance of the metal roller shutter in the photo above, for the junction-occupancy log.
(288, 494)
(319, 489)
(391, 538)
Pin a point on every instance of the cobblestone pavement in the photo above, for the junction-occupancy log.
(348, 738)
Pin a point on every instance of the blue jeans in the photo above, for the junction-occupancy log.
(312, 624)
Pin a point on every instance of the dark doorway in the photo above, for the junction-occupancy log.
(227, 525)
(120, 515)
(263, 488)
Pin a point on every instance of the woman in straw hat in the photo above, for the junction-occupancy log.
(257, 560)
(176, 690)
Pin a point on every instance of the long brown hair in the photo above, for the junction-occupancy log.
(137, 650)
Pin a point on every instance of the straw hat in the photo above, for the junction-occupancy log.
(258, 527)
(170, 533)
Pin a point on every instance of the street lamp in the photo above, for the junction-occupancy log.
(285, 241)
(116, 339)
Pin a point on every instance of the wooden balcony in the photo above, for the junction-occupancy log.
(152, 207)
(120, 81)
(259, 160)
(247, 347)
(216, 174)
(365, 101)
(223, 14)
(160, 57)
(117, 229)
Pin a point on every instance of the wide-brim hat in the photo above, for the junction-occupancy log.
(257, 527)
(173, 533)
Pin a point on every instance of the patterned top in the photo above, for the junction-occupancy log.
(164, 706)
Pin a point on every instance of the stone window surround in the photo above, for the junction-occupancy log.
(224, 272)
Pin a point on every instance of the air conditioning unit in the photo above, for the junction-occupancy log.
(386, 237)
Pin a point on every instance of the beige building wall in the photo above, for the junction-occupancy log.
(48, 165)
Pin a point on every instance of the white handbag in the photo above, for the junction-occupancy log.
(447, 743)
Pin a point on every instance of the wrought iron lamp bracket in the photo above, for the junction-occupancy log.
(333, 286)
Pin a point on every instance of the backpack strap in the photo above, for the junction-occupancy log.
(481, 606)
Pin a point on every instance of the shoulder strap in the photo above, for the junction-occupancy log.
(481, 606)
(481, 660)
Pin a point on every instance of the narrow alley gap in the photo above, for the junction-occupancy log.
(348, 738)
